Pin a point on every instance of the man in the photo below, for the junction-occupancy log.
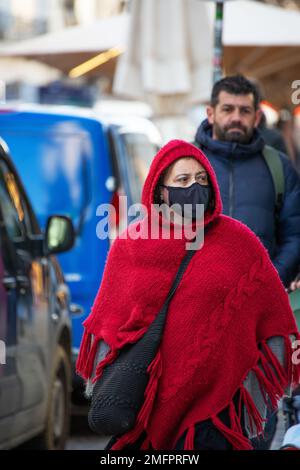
(230, 139)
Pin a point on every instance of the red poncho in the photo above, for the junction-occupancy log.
(229, 303)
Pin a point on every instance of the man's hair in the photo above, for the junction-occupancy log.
(235, 85)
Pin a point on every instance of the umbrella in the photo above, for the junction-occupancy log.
(168, 58)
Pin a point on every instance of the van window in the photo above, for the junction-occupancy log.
(140, 152)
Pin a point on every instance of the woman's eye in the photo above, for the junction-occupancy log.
(203, 180)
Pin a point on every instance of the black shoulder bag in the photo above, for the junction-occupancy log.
(119, 393)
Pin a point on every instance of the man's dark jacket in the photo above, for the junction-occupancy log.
(248, 195)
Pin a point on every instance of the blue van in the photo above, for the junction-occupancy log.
(70, 161)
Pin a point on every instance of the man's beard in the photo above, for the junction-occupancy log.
(243, 137)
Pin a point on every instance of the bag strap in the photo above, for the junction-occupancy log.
(156, 327)
(181, 270)
(274, 163)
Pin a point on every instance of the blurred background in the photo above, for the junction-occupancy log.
(89, 90)
(161, 53)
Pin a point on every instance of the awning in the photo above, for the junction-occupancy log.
(70, 47)
(263, 42)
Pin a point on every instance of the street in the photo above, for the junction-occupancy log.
(82, 438)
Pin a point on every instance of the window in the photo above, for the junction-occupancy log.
(25, 213)
(140, 151)
(11, 204)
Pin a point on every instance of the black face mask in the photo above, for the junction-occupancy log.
(194, 194)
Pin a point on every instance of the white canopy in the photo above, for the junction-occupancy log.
(250, 23)
(96, 37)
(70, 47)
(29, 71)
(263, 42)
(246, 23)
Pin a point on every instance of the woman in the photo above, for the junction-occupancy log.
(226, 348)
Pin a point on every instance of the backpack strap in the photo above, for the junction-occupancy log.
(274, 163)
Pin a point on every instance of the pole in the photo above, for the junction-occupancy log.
(218, 45)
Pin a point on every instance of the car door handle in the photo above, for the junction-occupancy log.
(9, 282)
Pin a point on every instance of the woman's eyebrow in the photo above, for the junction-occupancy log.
(189, 174)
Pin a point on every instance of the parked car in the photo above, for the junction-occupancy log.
(71, 161)
(35, 325)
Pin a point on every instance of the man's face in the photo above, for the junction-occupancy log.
(234, 117)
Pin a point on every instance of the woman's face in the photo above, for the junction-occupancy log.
(183, 173)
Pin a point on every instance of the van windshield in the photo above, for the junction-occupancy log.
(140, 152)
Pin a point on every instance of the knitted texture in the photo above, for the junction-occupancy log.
(229, 303)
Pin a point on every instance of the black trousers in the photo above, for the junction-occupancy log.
(207, 437)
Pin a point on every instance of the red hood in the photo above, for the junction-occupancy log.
(165, 157)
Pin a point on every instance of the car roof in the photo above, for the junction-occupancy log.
(127, 123)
